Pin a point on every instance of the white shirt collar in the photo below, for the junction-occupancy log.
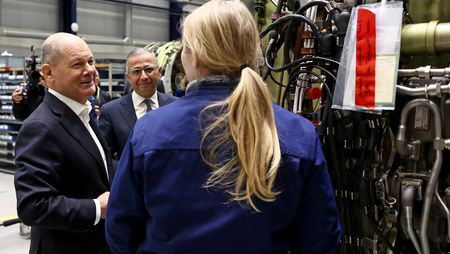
(74, 105)
(137, 99)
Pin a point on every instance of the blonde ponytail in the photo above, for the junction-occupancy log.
(242, 142)
(239, 139)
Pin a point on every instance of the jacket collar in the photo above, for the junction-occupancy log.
(212, 82)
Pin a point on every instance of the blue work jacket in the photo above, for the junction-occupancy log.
(158, 203)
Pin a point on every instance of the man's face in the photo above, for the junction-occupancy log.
(143, 74)
(74, 71)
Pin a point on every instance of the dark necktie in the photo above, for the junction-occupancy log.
(148, 103)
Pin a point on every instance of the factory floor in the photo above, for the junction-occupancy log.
(10, 240)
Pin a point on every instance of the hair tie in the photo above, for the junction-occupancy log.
(243, 66)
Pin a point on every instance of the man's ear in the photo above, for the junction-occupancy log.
(160, 72)
(47, 73)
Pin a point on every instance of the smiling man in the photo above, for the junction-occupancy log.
(119, 116)
(64, 168)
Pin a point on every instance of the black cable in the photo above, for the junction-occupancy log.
(324, 70)
(274, 80)
(300, 61)
(273, 36)
(296, 73)
(328, 99)
(334, 13)
(311, 4)
(290, 17)
(287, 44)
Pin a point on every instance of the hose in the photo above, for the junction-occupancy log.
(408, 196)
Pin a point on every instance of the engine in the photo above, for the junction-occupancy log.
(388, 159)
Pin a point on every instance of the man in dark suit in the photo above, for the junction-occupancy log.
(64, 168)
(118, 117)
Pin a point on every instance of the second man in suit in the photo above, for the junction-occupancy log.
(119, 116)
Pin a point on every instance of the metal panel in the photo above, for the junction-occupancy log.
(150, 25)
(100, 19)
(39, 15)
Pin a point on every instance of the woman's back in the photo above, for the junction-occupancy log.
(188, 218)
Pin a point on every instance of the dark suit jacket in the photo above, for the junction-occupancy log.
(103, 98)
(59, 173)
(118, 118)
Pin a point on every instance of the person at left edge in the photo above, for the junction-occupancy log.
(64, 169)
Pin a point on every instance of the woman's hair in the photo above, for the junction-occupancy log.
(240, 140)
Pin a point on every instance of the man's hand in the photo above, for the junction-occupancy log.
(17, 95)
(103, 199)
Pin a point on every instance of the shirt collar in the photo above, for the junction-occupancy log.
(74, 105)
(137, 99)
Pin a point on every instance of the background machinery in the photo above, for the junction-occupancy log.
(389, 168)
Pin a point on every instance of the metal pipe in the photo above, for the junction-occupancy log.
(153, 7)
(401, 144)
(432, 183)
(424, 72)
(23, 34)
(428, 90)
(296, 99)
(300, 92)
(128, 20)
(408, 196)
(427, 200)
(446, 210)
(90, 40)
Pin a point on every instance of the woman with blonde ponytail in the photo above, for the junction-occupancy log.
(222, 169)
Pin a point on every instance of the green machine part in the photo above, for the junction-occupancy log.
(426, 34)
(422, 11)
(169, 59)
(262, 11)
(426, 38)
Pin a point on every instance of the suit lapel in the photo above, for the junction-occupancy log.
(127, 110)
(75, 127)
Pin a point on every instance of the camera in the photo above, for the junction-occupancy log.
(33, 88)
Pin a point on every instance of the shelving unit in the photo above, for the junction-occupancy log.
(10, 79)
(112, 78)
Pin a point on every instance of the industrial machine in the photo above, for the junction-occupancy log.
(388, 162)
